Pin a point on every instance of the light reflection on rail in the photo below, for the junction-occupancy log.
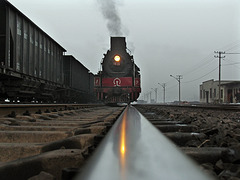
(123, 147)
(128, 133)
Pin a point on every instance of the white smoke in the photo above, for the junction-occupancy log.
(110, 13)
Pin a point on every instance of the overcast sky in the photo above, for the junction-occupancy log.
(166, 37)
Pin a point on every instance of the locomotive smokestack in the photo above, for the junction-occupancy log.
(110, 13)
(118, 43)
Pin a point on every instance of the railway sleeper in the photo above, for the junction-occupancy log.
(15, 150)
(209, 154)
(186, 138)
(84, 143)
(51, 162)
(165, 122)
(190, 142)
(176, 128)
(31, 136)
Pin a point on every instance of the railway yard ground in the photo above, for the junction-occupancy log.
(56, 142)
(210, 135)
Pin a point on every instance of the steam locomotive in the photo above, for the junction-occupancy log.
(119, 79)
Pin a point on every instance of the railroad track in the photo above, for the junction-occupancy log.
(12, 110)
(134, 149)
(50, 140)
(57, 144)
(225, 107)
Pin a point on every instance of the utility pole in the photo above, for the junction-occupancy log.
(150, 96)
(164, 90)
(178, 78)
(155, 94)
(219, 73)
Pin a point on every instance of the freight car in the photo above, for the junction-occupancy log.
(78, 81)
(119, 79)
(33, 65)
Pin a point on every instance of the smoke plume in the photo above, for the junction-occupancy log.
(110, 13)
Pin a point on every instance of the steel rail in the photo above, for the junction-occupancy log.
(135, 149)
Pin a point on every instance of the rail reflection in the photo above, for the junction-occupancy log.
(135, 150)
(126, 136)
(123, 148)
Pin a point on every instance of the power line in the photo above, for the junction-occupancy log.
(232, 53)
(233, 63)
(201, 76)
(230, 64)
(231, 46)
(204, 62)
(200, 66)
(171, 87)
(234, 47)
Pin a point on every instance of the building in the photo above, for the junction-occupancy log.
(229, 91)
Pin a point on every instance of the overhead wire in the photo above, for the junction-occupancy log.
(231, 46)
(201, 76)
(205, 61)
(233, 63)
(234, 47)
(171, 87)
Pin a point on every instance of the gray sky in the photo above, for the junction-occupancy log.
(166, 37)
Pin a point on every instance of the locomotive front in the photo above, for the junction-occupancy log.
(119, 80)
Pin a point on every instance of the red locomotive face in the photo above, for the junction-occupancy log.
(119, 81)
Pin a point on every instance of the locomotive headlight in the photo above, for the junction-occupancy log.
(117, 58)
